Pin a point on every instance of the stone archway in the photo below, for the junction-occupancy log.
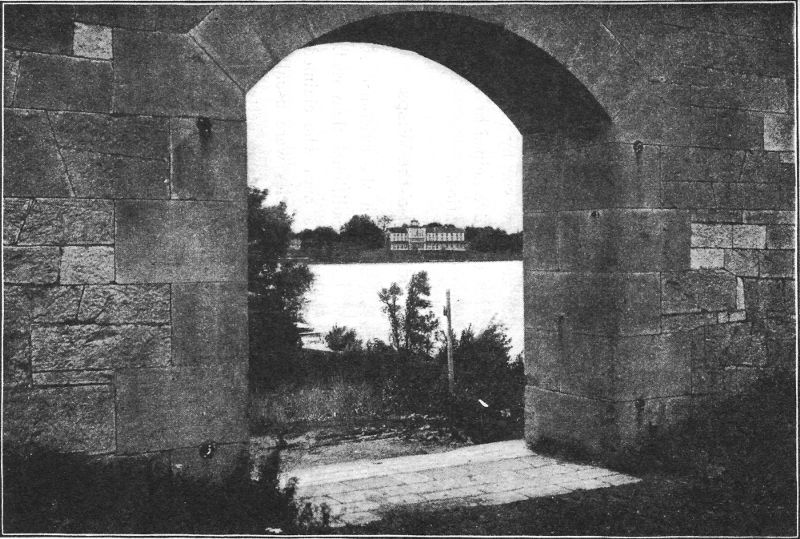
(658, 200)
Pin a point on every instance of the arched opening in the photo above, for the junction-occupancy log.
(548, 105)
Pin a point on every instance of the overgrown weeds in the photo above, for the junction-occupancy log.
(45, 491)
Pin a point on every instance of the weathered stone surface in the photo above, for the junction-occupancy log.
(781, 237)
(10, 73)
(16, 357)
(43, 28)
(134, 136)
(592, 304)
(180, 407)
(776, 263)
(649, 366)
(209, 324)
(171, 18)
(99, 347)
(224, 460)
(778, 133)
(64, 83)
(69, 222)
(31, 264)
(682, 322)
(765, 167)
(780, 337)
(31, 164)
(732, 344)
(209, 159)
(698, 291)
(701, 165)
(180, 241)
(66, 418)
(72, 378)
(92, 41)
(87, 265)
(715, 236)
(231, 35)
(707, 258)
(114, 176)
(610, 175)
(751, 196)
(125, 304)
(578, 365)
(25, 305)
(742, 262)
(623, 240)
(716, 216)
(541, 241)
(727, 128)
(712, 88)
(749, 236)
(549, 415)
(166, 74)
(14, 212)
(687, 195)
(769, 217)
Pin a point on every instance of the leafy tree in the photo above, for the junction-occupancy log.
(361, 230)
(384, 221)
(419, 322)
(390, 298)
(276, 288)
(342, 339)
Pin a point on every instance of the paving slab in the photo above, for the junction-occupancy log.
(361, 491)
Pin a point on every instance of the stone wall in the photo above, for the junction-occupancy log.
(659, 219)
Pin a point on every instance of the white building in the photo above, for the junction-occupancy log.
(420, 238)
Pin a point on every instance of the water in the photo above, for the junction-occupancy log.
(480, 293)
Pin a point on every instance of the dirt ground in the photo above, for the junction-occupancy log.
(330, 445)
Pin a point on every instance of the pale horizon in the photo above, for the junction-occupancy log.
(349, 129)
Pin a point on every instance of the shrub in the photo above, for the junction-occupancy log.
(340, 339)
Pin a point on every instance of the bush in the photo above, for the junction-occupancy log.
(50, 492)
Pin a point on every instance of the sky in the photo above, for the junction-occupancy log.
(349, 128)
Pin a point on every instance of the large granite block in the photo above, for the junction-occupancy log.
(87, 265)
(180, 407)
(180, 241)
(209, 324)
(649, 366)
(569, 419)
(623, 240)
(540, 247)
(99, 347)
(580, 365)
(16, 357)
(69, 222)
(209, 159)
(25, 305)
(64, 83)
(14, 212)
(644, 421)
(168, 74)
(232, 35)
(77, 418)
(728, 345)
(31, 164)
(592, 304)
(97, 175)
(43, 28)
(34, 265)
(698, 291)
(125, 304)
(134, 136)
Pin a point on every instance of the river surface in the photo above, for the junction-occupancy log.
(480, 293)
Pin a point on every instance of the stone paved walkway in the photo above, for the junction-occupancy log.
(489, 474)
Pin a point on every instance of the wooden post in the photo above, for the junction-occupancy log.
(451, 378)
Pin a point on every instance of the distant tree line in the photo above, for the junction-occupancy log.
(363, 233)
